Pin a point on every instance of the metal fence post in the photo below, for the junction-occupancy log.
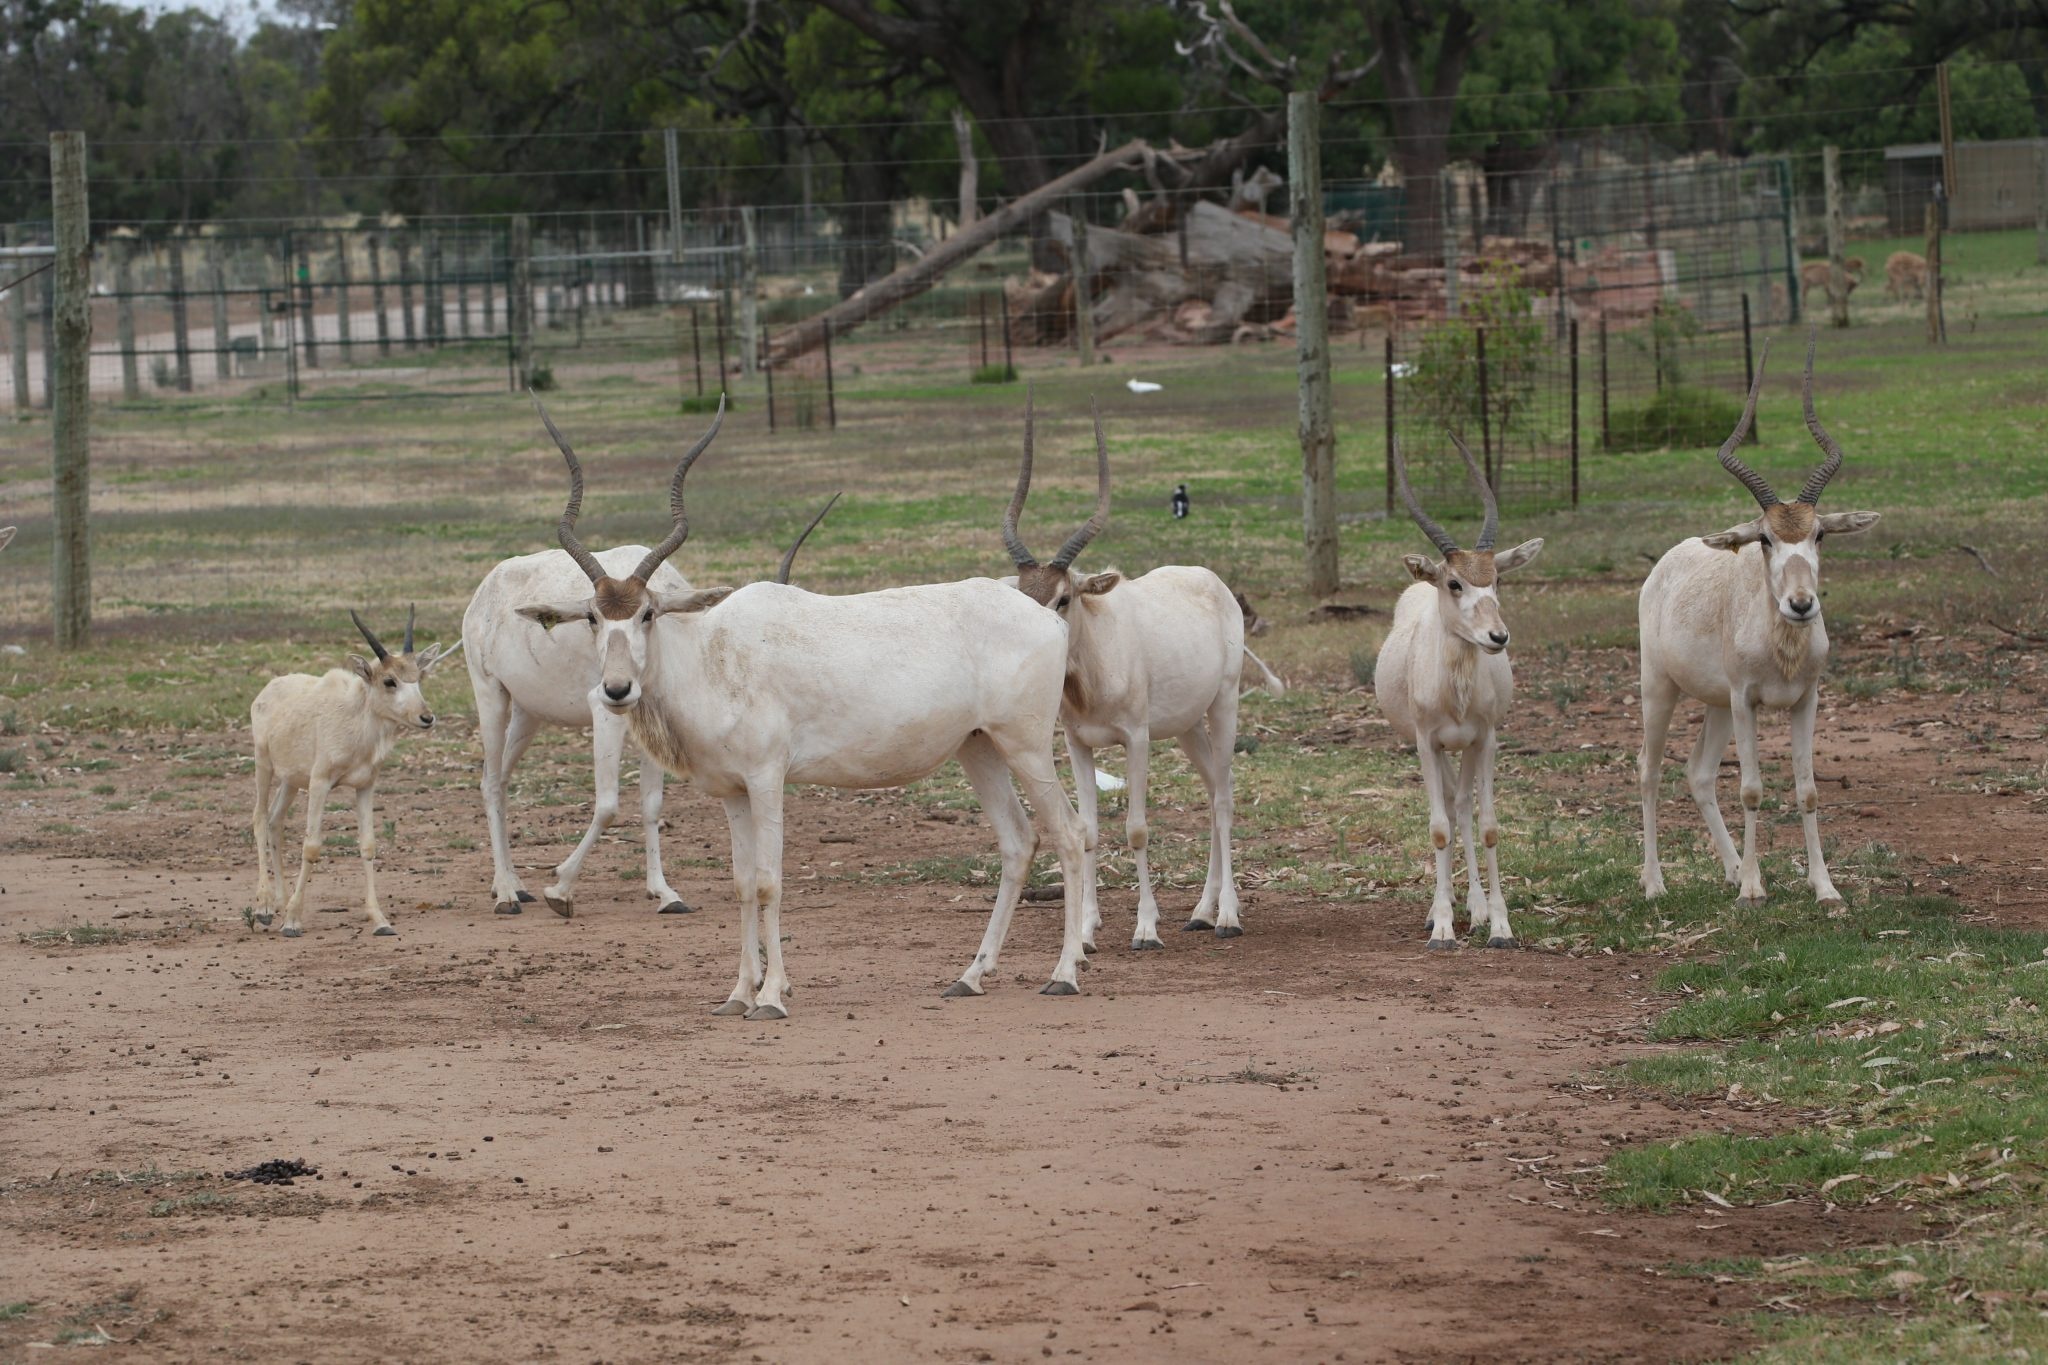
(831, 401)
(768, 374)
(310, 341)
(1606, 433)
(1748, 367)
(1390, 424)
(1574, 334)
(750, 314)
(17, 317)
(697, 349)
(71, 452)
(1485, 410)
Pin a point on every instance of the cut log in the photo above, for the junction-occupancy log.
(915, 278)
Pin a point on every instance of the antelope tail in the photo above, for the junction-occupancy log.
(1268, 679)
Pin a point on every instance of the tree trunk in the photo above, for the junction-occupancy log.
(970, 170)
(1420, 113)
(913, 279)
(867, 249)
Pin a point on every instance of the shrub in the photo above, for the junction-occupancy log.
(542, 378)
(995, 374)
(1364, 662)
(706, 402)
(1677, 416)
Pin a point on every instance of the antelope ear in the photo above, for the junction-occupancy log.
(1100, 583)
(551, 614)
(1517, 557)
(1846, 523)
(697, 599)
(1735, 537)
(1423, 567)
(436, 656)
(360, 666)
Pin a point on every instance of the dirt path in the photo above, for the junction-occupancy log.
(1311, 1143)
(535, 1142)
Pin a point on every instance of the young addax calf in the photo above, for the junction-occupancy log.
(1153, 657)
(1444, 681)
(316, 734)
(1733, 619)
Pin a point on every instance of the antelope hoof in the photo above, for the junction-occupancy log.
(677, 908)
(291, 931)
(1834, 900)
(566, 909)
(1229, 931)
(384, 931)
(1498, 941)
(1088, 948)
(1060, 988)
(1146, 945)
(525, 897)
(1757, 899)
(265, 920)
(507, 908)
(731, 1008)
(1195, 926)
(760, 1012)
(1443, 945)
(960, 990)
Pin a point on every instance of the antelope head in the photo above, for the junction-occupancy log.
(1467, 581)
(394, 679)
(1788, 533)
(620, 612)
(1054, 584)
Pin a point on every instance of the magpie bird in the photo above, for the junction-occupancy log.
(1180, 501)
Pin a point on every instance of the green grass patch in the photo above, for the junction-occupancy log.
(78, 935)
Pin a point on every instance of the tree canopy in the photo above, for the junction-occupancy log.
(458, 106)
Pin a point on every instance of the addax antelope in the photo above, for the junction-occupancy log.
(316, 734)
(1733, 620)
(525, 678)
(1153, 657)
(1444, 681)
(743, 691)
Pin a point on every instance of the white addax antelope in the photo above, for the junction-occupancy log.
(1153, 657)
(316, 734)
(525, 678)
(743, 691)
(1444, 681)
(1733, 620)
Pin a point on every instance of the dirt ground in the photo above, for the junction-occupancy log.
(1315, 1142)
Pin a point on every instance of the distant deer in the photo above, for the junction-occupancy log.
(1733, 619)
(1905, 272)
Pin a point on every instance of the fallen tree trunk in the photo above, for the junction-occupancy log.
(1238, 271)
(913, 279)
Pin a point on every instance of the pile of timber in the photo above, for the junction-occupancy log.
(1229, 278)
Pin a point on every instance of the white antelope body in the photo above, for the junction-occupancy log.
(316, 734)
(1733, 620)
(525, 677)
(1444, 681)
(744, 691)
(1153, 657)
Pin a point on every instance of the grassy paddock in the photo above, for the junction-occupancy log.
(1899, 1047)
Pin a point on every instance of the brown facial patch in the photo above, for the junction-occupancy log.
(1042, 583)
(618, 598)
(1789, 522)
(1472, 566)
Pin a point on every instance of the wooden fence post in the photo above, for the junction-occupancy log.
(1317, 427)
(1838, 273)
(71, 454)
(519, 303)
(1936, 332)
(181, 332)
(124, 320)
(343, 314)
